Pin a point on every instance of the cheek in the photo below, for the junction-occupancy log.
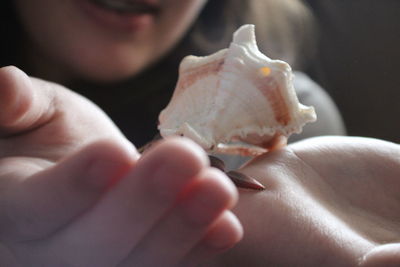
(55, 30)
(37, 18)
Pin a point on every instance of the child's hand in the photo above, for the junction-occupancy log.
(73, 191)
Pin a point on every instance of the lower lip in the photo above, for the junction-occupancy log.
(114, 20)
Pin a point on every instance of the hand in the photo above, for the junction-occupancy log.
(74, 191)
(330, 201)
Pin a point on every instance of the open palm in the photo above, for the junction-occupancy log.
(330, 201)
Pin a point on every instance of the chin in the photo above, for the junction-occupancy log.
(108, 72)
(109, 75)
(111, 64)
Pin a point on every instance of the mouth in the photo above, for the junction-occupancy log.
(128, 6)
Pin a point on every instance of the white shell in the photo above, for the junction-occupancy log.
(236, 94)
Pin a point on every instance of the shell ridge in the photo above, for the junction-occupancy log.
(235, 94)
(230, 73)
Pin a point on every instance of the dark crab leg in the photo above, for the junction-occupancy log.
(244, 181)
(239, 179)
(217, 163)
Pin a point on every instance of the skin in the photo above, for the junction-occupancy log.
(330, 201)
(74, 191)
(67, 173)
(66, 196)
(64, 36)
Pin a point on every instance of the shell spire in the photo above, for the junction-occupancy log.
(235, 101)
(245, 36)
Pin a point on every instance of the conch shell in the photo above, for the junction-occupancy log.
(235, 101)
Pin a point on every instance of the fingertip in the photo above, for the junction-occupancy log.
(15, 96)
(11, 74)
(382, 255)
(180, 154)
(222, 185)
(188, 148)
(122, 149)
(225, 233)
(106, 161)
(208, 197)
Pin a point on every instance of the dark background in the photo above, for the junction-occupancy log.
(358, 63)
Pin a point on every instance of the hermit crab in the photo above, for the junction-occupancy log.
(235, 101)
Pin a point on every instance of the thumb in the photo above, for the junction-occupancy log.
(22, 107)
(383, 255)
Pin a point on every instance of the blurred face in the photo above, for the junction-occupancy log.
(102, 40)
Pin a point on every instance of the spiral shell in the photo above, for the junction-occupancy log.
(235, 101)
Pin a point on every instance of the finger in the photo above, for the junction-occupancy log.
(45, 119)
(48, 200)
(22, 107)
(224, 234)
(133, 206)
(383, 255)
(175, 235)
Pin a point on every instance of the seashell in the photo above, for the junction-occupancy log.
(235, 101)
